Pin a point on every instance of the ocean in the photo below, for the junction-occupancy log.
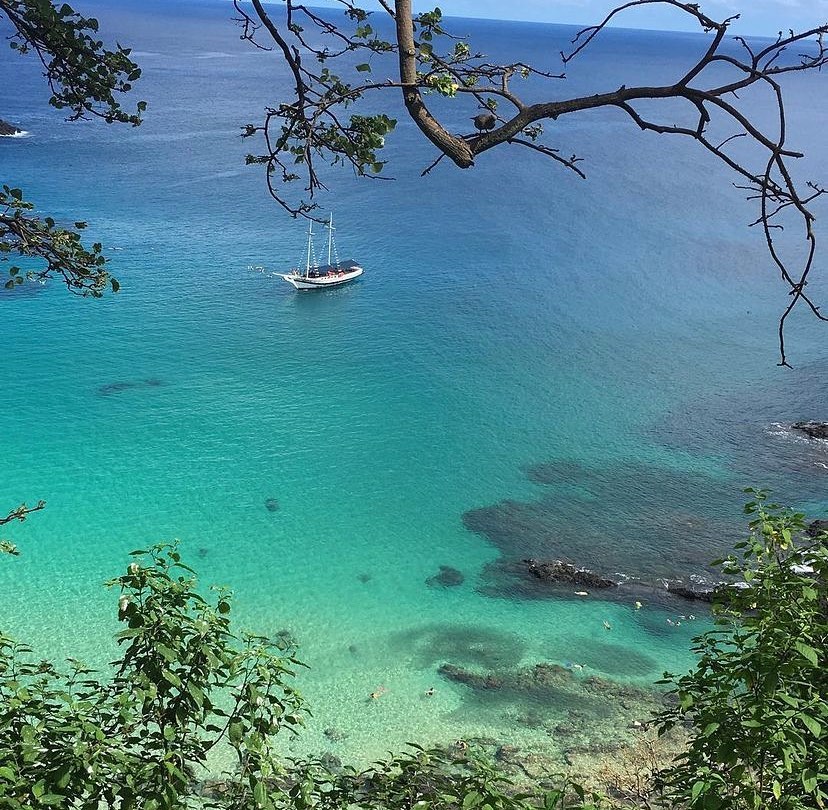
(533, 365)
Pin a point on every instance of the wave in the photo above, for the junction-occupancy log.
(22, 134)
(215, 55)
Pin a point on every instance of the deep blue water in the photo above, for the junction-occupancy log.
(533, 365)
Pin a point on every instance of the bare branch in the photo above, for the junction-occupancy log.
(552, 153)
(312, 126)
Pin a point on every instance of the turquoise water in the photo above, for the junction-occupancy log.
(532, 366)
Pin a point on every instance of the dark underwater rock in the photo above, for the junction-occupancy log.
(271, 504)
(447, 577)
(115, 388)
(335, 734)
(474, 680)
(331, 761)
(8, 129)
(475, 647)
(701, 593)
(814, 430)
(625, 588)
(817, 527)
(364, 577)
(285, 639)
(119, 387)
(559, 571)
(539, 677)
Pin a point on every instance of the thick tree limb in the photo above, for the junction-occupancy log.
(308, 127)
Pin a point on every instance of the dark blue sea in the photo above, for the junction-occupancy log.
(533, 365)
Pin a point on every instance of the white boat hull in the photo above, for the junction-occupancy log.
(323, 281)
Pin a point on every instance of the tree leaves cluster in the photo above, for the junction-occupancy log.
(20, 513)
(87, 79)
(757, 702)
(184, 685)
(48, 249)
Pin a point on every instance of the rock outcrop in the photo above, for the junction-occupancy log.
(691, 591)
(817, 527)
(7, 129)
(559, 571)
(814, 430)
(556, 572)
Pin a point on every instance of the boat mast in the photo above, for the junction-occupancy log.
(310, 246)
(330, 237)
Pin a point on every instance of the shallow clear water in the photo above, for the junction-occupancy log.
(533, 365)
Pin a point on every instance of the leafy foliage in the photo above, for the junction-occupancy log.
(758, 700)
(55, 251)
(84, 76)
(87, 79)
(442, 779)
(184, 686)
(20, 513)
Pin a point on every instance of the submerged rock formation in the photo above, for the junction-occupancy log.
(446, 577)
(817, 527)
(126, 385)
(556, 572)
(7, 129)
(702, 593)
(559, 571)
(814, 430)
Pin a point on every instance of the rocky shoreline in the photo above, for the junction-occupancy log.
(560, 573)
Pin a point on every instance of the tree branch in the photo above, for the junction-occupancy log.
(310, 126)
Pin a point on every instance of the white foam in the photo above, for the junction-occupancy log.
(22, 134)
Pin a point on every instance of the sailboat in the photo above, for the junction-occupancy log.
(321, 277)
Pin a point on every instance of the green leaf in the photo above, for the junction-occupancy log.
(235, 731)
(260, 794)
(195, 693)
(807, 652)
(166, 652)
(471, 799)
(171, 677)
(809, 781)
(364, 68)
(812, 724)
